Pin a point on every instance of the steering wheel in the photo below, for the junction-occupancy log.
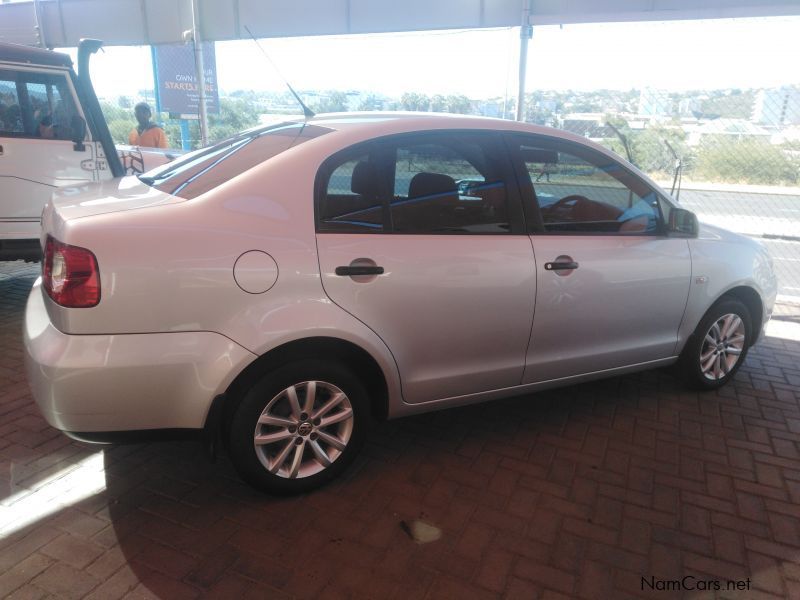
(561, 205)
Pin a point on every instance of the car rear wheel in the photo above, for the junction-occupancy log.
(719, 345)
(299, 427)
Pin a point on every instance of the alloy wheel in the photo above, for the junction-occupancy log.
(722, 346)
(303, 429)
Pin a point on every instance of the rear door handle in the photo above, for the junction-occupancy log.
(354, 271)
(560, 266)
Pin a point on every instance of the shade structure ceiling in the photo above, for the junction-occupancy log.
(62, 23)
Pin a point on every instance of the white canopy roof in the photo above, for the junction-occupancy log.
(133, 22)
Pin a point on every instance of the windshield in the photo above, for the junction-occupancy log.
(202, 170)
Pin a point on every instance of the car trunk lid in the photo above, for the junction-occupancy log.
(127, 193)
(115, 195)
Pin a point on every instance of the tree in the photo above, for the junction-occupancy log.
(334, 101)
(651, 152)
(414, 101)
(648, 147)
(371, 102)
(746, 160)
(120, 121)
(439, 104)
(732, 105)
(173, 131)
(119, 130)
(459, 104)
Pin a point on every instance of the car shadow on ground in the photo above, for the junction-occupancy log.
(551, 483)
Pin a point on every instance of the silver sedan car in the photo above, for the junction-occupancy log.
(277, 289)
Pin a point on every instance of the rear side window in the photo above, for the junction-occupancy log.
(353, 199)
(203, 170)
(448, 187)
(436, 183)
(36, 105)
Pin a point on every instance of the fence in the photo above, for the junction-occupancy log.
(732, 156)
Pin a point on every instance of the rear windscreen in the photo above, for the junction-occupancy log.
(202, 170)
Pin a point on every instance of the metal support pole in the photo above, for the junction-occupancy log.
(37, 15)
(525, 33)
(200, 72)
(186, 140)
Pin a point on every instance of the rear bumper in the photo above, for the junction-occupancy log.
(131, 382)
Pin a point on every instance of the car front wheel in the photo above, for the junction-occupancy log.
(299, 427)
(719, 345)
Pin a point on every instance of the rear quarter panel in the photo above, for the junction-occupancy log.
(170, 267)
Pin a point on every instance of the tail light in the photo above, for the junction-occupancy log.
(70, 275)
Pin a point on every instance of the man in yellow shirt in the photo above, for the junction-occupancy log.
(147, 134)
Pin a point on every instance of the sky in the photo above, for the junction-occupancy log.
(672, 55)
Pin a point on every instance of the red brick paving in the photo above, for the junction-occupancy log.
(574, 493)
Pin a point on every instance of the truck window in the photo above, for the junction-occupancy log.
(36, 105)
(10, 111)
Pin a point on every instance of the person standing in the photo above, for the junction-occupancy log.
(147, 133)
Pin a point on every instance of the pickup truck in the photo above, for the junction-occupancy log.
(52, 134)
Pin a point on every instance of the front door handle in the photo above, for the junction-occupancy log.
(356, 270)
(560, 266)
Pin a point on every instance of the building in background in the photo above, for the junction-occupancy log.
(730, 130)
(654, 103)
(777, 107)
(690, 107)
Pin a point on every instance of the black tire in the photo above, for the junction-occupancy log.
(252, 463)
(690, 365)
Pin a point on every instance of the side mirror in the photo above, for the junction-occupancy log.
(683, 223)
(78, 129)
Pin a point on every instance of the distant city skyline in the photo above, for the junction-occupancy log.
(675, 55)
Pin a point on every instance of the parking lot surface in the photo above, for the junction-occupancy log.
(631, 487)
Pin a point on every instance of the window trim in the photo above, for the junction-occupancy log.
(534, 219)
(384, 148)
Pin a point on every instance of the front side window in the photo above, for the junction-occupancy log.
(37, 105)
(580, 190)
(437, 183)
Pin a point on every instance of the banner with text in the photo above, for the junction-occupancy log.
(177, 90)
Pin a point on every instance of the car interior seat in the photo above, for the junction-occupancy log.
(431, 196)
(364, 204)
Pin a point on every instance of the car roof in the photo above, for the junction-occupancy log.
(367, 125)
(413, 121)
(29, 55)
(376, 124)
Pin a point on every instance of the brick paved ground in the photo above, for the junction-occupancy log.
(573, 493)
